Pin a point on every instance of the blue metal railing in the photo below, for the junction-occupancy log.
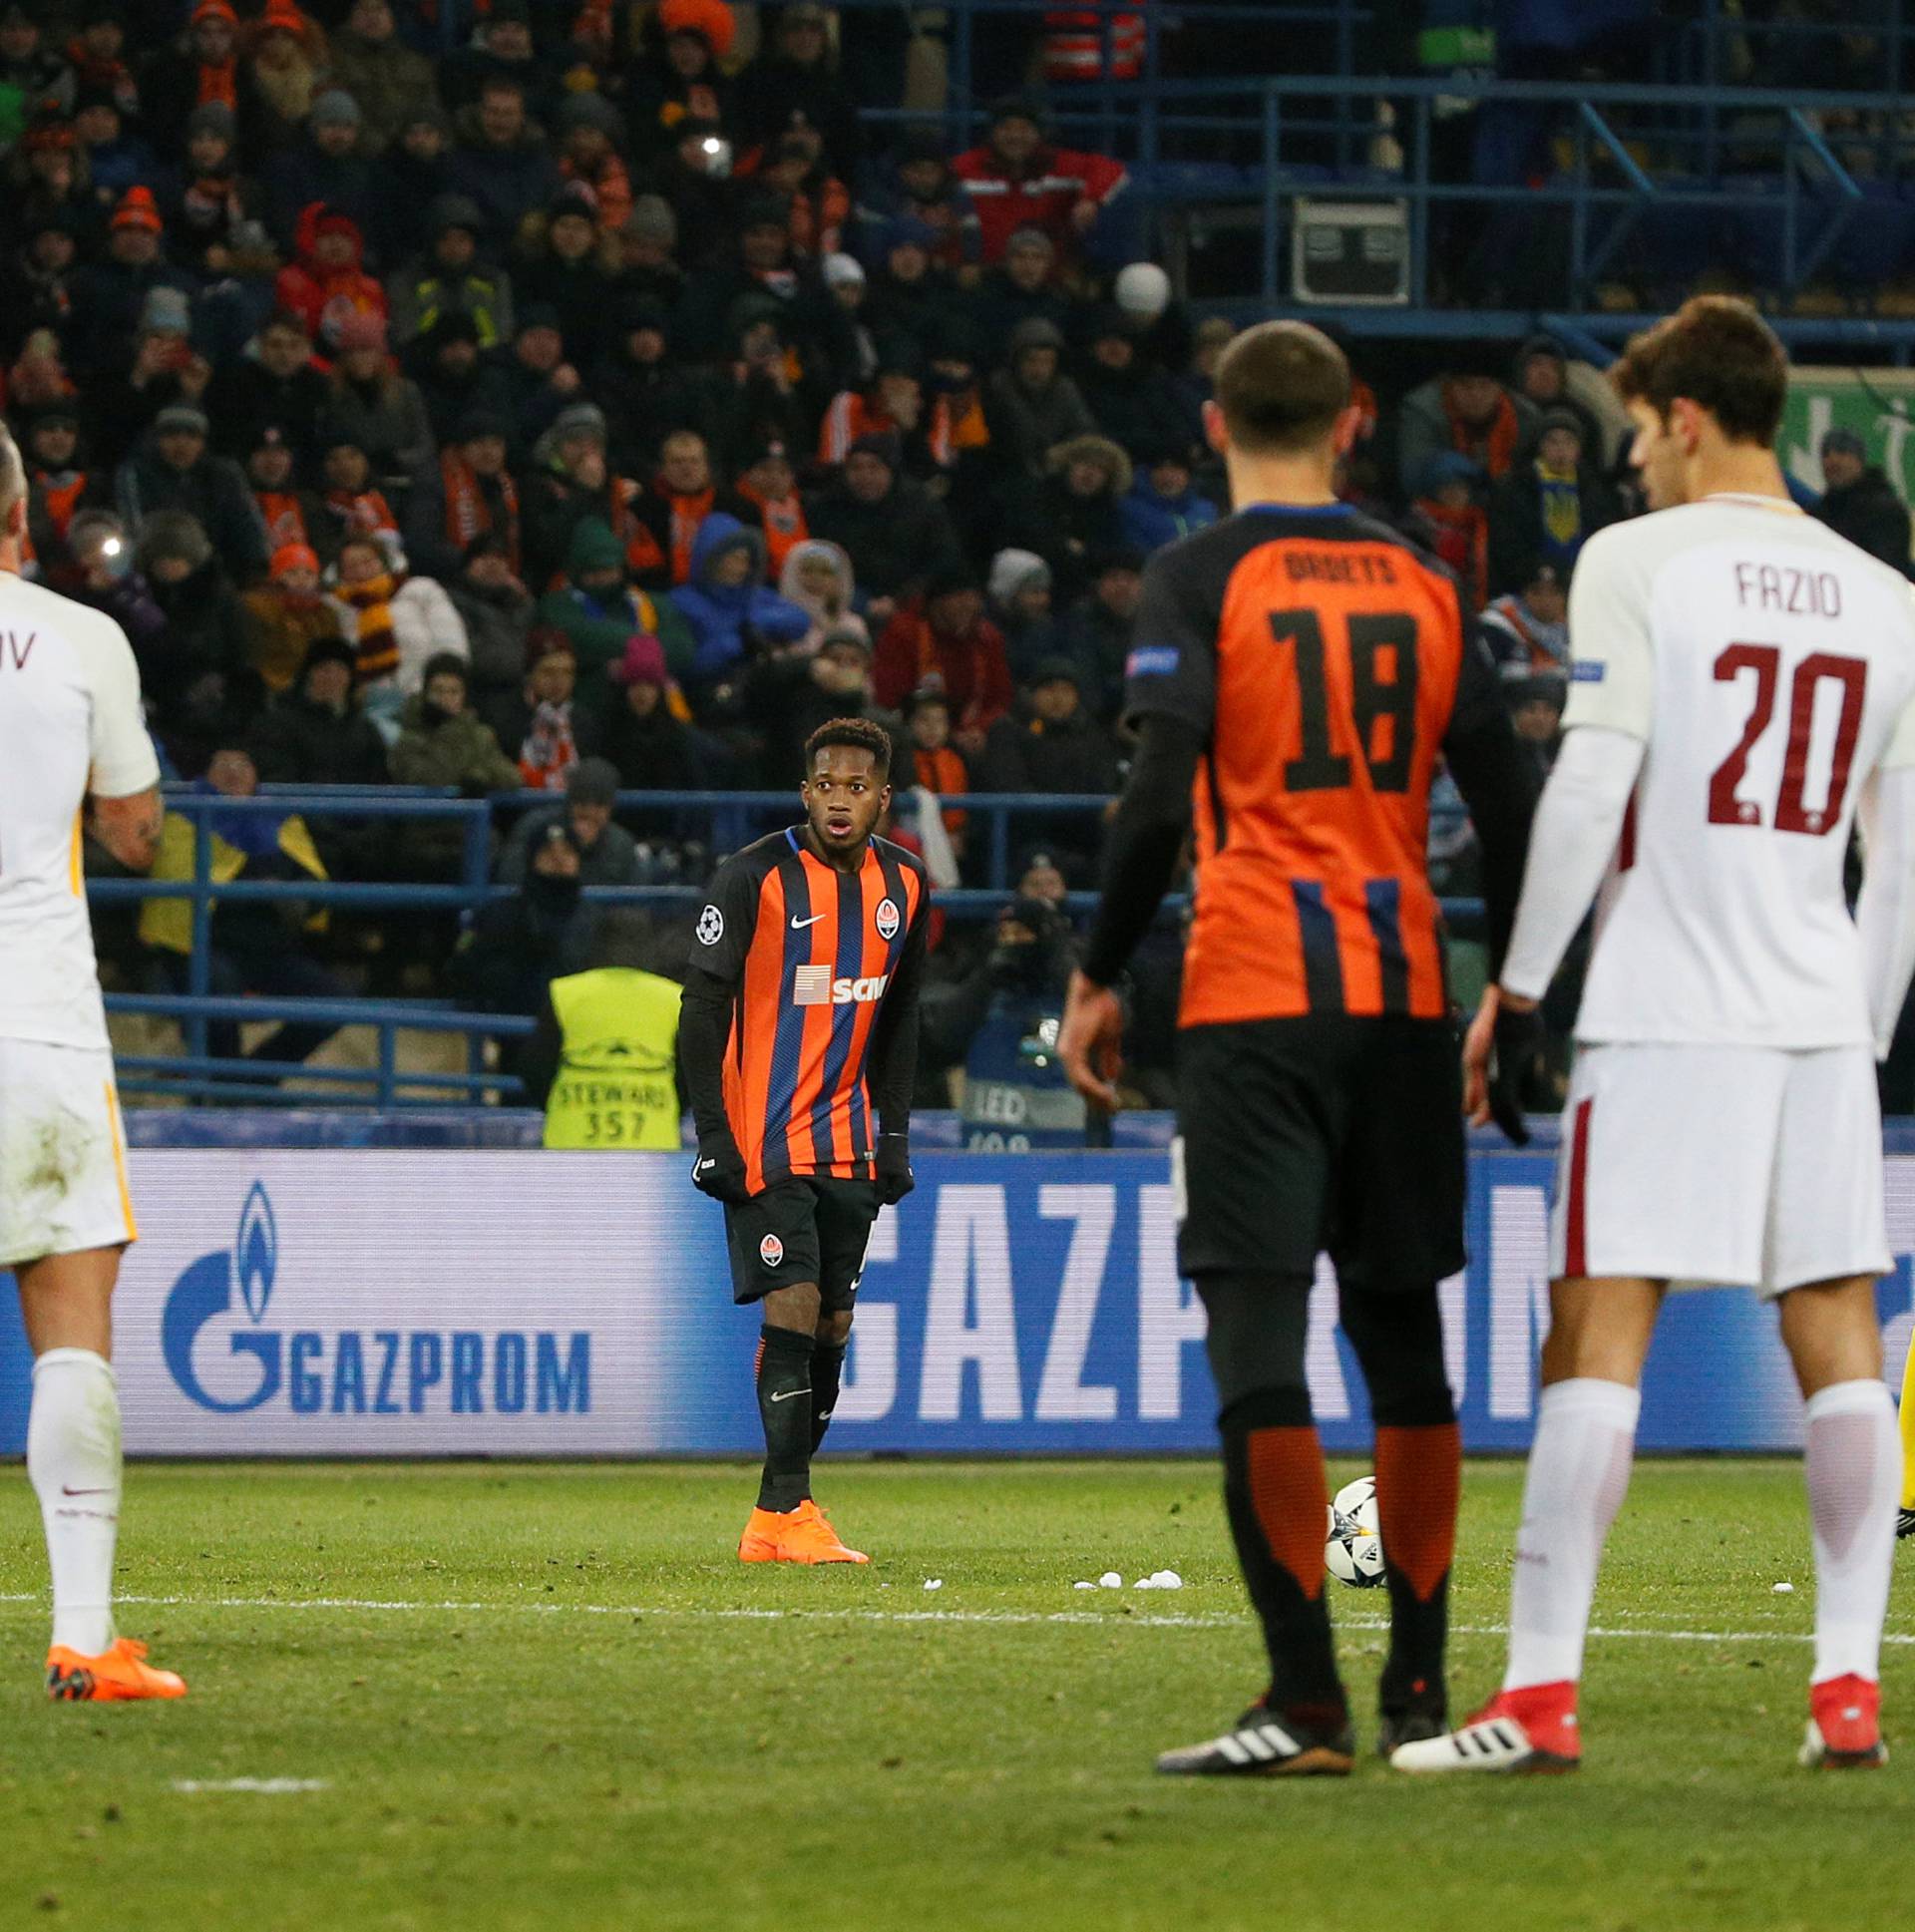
(199, 1074)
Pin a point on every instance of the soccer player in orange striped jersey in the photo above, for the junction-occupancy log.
(1298, 672)
(799, 1025)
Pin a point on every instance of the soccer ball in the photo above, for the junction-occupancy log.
(1354, 1551)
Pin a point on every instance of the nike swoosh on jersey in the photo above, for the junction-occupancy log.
(799, 925)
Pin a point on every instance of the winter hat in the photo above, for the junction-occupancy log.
(547, 640)
(575, 198)
(1560, 418)
(884, 447)
(642, 663)
(173, 534)
(180, 419)
(920, 143)
(361, 329)
(285, 17)
(1843, 442)
(766, 450)
(335, 107)
(448, 663)
(1056, 670)
(858, 639)
(593, 781)
(589, 110)
(454, 212)
(478, 422)
(138, 210)
(294, 556)
(908, 231)
(213, 117)
(329, 649)
(1013, 107)
(579, 419)
(1143, 290)
(215, 10)
(167, 311)
(1033, 332)
(844, 271)
(653, 220)
(1013, 570)
(711, 20)
(1442, 467)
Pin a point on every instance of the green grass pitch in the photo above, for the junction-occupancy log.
(538, 1696)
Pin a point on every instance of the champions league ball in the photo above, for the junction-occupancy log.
(1354, 1551)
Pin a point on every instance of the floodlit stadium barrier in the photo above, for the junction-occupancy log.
(729, 818)
(404, 1302)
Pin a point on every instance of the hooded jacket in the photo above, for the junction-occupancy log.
(791, 586)
(728, 619)
(321, 296)
(1150, 520)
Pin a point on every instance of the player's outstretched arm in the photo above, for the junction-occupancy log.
(1146, 839)
(1885, 912)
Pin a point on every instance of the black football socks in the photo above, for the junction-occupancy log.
(784, 1408)
(827, 1371)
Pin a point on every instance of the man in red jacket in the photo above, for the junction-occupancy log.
(1020, 180)
(946, 643)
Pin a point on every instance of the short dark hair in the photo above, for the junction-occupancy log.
(1719, 354)
(1281, 386)
(860, 734)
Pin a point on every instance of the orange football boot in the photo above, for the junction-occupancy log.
(801, 1535)
(118, 1676)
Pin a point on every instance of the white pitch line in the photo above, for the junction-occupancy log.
(1213, 1620)
(263, 1787)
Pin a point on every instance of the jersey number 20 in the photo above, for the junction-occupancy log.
(1792, 813)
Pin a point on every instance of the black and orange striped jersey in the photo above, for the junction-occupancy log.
(817, 965)
(1323, 664)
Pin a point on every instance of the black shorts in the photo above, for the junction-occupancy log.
(1325, 1133)
(808, 1229)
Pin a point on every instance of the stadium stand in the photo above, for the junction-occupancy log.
(532, 420)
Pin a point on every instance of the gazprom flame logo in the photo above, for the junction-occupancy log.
(256, 1252)
(206, 1290)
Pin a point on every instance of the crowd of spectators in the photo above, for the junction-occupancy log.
(595, 410)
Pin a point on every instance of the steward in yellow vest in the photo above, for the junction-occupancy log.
(614, 1033)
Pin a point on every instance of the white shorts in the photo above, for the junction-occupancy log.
(1743, 1165)
(63, 1161)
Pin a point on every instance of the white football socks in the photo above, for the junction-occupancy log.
(73, 1462)
(1578, 1476)
(1854, 1462)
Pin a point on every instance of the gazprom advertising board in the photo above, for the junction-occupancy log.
(357, 1302)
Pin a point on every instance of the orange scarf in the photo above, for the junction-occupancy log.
(377, 645)
(218, 84)
(285, 521)
(468, 515)
(1496, 448)
(688, 516)
(643, 557)
(785, 529)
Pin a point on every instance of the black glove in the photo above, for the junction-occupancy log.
(1518, 1042)
(894, 1175)
(719, 1169)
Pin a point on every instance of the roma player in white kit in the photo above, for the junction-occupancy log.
(1740, 686)
(73, 751)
